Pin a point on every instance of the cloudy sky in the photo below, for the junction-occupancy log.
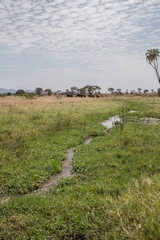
(58, 44)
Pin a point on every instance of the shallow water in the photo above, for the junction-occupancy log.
(112, 122)
(151, 120)
(117, 120)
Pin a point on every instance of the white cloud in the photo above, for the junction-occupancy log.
(82, 33)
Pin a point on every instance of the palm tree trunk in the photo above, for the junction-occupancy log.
(158, 76)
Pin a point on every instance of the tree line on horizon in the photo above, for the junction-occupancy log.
(93, 90)
(88, 90)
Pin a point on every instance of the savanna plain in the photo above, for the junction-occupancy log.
(114, 190)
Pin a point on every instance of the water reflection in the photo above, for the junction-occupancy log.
(112, 122)
(115, 120)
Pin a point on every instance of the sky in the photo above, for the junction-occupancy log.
(58, 44)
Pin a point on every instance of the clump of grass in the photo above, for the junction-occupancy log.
(59, 122)
(135, 215)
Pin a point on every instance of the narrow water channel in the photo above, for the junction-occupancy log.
(67, 167)
(65, 173)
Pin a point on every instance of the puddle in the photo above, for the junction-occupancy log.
(150, 120)
(115, 120)
(132, 111)
(112, 122)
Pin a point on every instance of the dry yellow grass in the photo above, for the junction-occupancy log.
(46, 102)
(10, 103)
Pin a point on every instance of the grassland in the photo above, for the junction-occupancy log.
(115, 189)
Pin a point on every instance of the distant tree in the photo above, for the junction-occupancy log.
(119, 91)
(92, 90)
(111, 90)
(152, 58)
(48, 92)
(69, 93)
(59, 92)
(74, 90)
(82, 91)
(146, 91)
(20, 92)
(139, 90)
(39, 91)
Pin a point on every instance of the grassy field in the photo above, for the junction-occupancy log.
(114, 192)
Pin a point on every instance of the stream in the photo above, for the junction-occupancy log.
(53, 181)
(67, 167)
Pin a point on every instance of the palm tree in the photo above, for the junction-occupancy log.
(152, 58)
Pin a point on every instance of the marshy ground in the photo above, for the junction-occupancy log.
(113, 190)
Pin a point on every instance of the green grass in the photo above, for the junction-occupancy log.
(34, 144)
(114, 193)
